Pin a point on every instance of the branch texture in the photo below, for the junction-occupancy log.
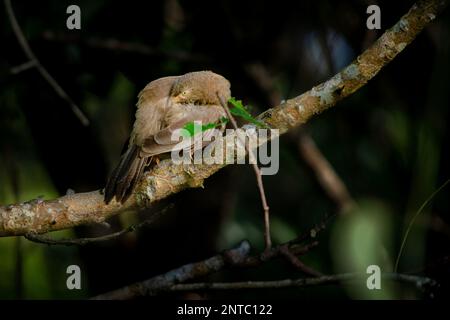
(166, 178)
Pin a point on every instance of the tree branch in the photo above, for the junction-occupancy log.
(83, 241)
(295, 261)
(327, 177)
(34, 62)
(167, 178)
(420, 282)
(114, 44)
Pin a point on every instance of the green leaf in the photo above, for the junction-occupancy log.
(193, 128)
(224, 120)
(240, 110)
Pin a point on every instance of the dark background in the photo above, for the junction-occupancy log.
(388, 141)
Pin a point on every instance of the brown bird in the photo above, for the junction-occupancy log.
(165, 105)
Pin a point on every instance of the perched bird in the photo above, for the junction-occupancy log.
(165, 105)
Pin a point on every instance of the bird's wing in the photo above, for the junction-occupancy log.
(162, 141)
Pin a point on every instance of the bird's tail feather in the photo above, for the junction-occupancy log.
(126, 175)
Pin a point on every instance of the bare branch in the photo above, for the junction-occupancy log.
(420, 282)
(167, 178)
(114, 44)
(36, 63)
(23, 67)
(326, 175)
(295, 261)
(275, 252)
(262, 78)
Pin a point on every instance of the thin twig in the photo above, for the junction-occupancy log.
(274, 252)
(312, 233)
(294, 248)
(411, 223)
(267, 238)
(23, 67)
(118, 45)
(420, 282)
(295, 261)
(33, 59)
(83, 241)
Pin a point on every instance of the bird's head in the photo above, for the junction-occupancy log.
(201, 88)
